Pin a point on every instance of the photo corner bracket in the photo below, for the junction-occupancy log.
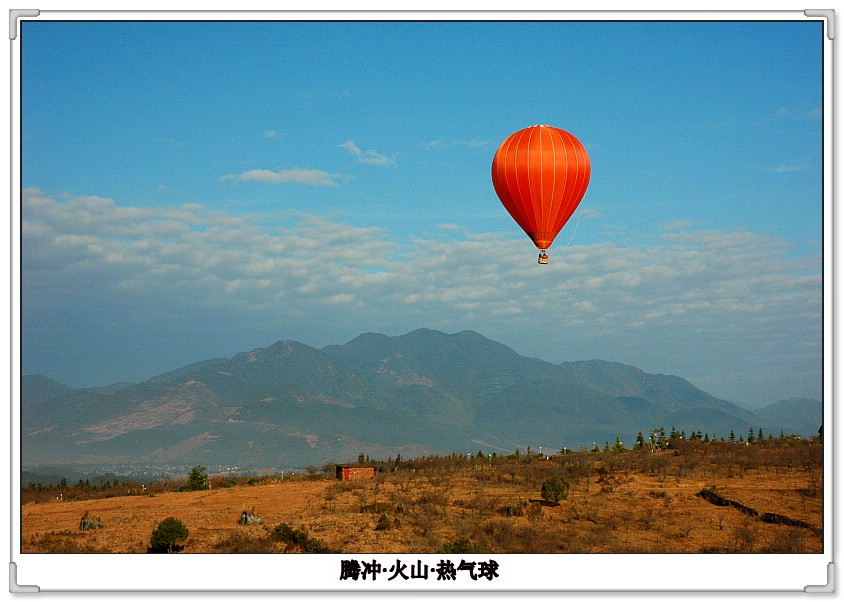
(13, 582)
(825, 13)
(15, 14)
(828, 587)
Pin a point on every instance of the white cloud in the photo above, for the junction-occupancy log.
(677, 224)
(370, 157)
(467, 143)
(789, 168)
(813, 114)
(697, 303)
(589, 213)
(295, 175)
(270, 134)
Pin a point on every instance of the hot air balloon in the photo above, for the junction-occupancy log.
(540, 174)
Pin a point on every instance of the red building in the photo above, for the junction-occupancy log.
(350, 472)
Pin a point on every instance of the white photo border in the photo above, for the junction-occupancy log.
(320, 573)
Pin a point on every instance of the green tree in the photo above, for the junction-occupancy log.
(169, 537)
(619, 446)
(640, 441)
(554, 489)
(197, 479)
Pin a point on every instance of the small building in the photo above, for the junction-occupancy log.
(351, 472)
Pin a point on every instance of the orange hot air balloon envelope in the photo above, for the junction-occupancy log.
(540, 174)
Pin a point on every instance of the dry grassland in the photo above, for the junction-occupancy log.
(629, 502)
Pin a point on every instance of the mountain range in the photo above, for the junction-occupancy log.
(292, 405)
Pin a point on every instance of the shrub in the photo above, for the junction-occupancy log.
(239, 543)
(512, 508)
(286, 534)
(554, 489)
(461, 546)
(169, 537)
(383, 523)
(314, 546)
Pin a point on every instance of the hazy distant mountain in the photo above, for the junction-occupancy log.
(37, 388)
(424, 392)
(801, 414)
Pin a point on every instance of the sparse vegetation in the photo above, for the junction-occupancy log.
(299, 540)
(461, 546)
(383, 523)
(643, 500)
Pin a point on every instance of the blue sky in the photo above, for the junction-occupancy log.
(192, 190)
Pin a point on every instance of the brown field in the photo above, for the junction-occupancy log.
(624, 502)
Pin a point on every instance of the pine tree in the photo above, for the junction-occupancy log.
(197, 479)
(640, 441)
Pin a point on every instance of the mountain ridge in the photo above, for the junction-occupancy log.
(426, 391)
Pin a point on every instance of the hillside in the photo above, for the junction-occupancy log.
(291, 405)
(803, 414)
